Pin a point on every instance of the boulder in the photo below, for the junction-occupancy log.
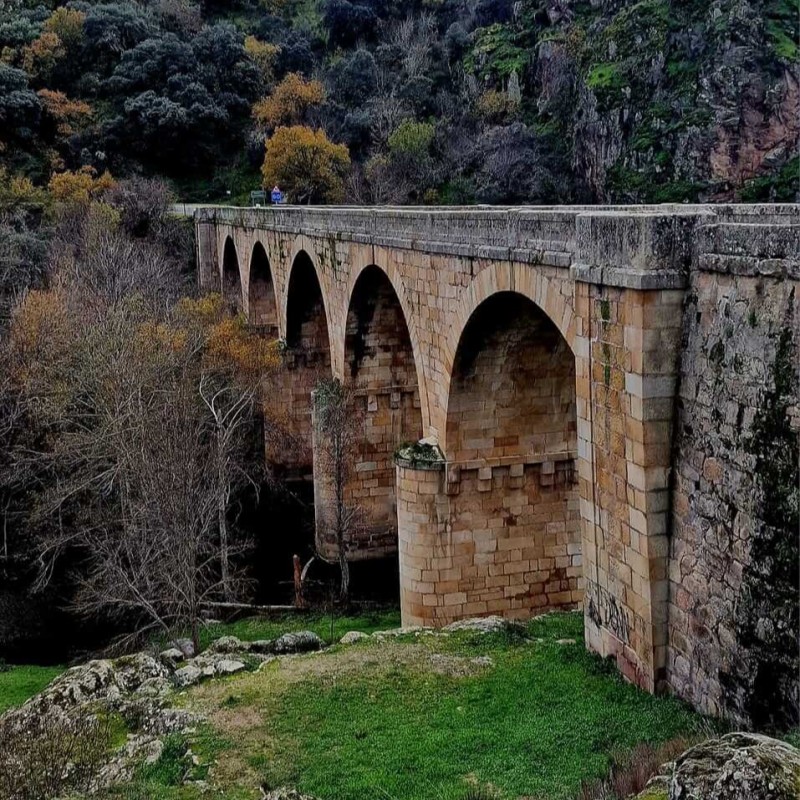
(733, 767)
(229, 644)
(284, 794)
(188, 676)
(171, 657)
(262, 646)
(351, 637)
(229, 666)
(299, 642)
(493, 624)
(134, 671)
(737, 766)
(186, 646)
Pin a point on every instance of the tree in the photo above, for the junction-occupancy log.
(336, 432)
(306, 165)
(67, 115)
(40, 57)
(79, 187)
(67, 24)
(20, 108)
(264, 55)
(289, 103)
(133, 429)
(348, 22)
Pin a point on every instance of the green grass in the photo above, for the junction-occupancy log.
(19, 684)
(331, 627)
(541, 719)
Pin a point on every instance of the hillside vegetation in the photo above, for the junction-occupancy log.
(448, 101)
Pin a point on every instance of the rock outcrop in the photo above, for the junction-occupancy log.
(738, 766)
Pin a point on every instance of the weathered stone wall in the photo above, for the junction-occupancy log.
(501, 539)
(733, 618)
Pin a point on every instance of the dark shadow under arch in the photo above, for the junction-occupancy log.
(262, 303)
(231, 276)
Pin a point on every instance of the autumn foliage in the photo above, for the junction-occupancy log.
(289, 102)
(306, 165)
(80, 186)
(68, 115)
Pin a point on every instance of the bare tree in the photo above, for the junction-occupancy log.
(338, 428)
(231, 408)
(139, 436)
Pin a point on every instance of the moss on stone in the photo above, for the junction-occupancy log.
(419, 454)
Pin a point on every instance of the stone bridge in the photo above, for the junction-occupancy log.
(538, 352)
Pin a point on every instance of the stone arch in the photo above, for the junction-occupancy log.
(262, 302)
(305, 310)
(307, 360)
(378, 363)
(395, 281)
(231, 275)
(505, 538)
(531, 282)
(301, 254)
(512, 385)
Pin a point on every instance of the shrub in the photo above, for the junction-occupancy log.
(50, 754)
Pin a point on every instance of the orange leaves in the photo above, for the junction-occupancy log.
(228, 346)
(69, 115)
(306, 165)
(40, 57)
(232, 348)
(289, 102)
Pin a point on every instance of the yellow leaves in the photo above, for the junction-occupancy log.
(496, 106)
(67, 24)
(228, 346)
(19, 192)
(153, 337)
(289, 102)
(38, 334)
(201, 311)
(263, 55)
(79, 187)
(306, 165)
(69, 115)
(231, 348)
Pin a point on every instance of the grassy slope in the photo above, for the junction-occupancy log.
(20, 683)
(416, 719)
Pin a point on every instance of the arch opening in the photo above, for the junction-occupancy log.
(384, 391)
(307, 360)
(508, 539)
(262, 305)
(231, 277)
(512, 390)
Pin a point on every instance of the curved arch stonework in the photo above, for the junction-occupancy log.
(395, 278)
(551, 294)
(262, 300)
(231, 279)
(613, 282)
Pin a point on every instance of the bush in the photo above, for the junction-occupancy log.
(49, 754)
